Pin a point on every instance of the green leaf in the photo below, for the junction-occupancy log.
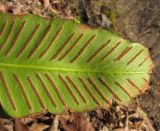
(58, 65)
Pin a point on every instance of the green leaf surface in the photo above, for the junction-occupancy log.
(58, 65)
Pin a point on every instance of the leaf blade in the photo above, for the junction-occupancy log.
(59, 65)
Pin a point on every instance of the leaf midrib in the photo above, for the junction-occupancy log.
(36, 67)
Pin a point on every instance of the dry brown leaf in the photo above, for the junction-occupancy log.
(19, 126)
(79, 123)
(38, 126)
(120, 129)
(86, 126)
(64, 125)
(104, 129)
(46, 3)
(3, 128)
(54, 126)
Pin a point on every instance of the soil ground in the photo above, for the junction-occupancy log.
(136, 20)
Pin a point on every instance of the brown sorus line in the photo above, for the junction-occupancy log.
(8, 35)
(97, 89)
(62, 47)
(28, 41)
(143, 61)
(3, 27)
(70, 91)
(82, 49)
(7, 90)
(132, 83)
(147, 86)
(50, 44)
(89, 91)
(40, 42)
(98, 51)
(71, 47)
(123, 53)
(107, 86)
(112, 49)
(145, 80)
(151, 65)
(35, 91)
(120, 86)
(74, 85)
(133, 58)
(15, 39)
(22, 90)
(47, 91)
(150, 69)
(55, 88)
